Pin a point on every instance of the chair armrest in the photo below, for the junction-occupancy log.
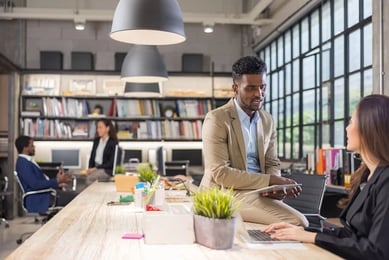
(52, 192)
(315, 215)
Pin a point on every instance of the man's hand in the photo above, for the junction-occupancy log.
(63, 178)
(277, 180)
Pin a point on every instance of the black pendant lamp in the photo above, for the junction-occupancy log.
(143, 64)
(148, 22)
(142, 89)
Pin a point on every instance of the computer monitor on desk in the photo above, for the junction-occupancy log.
(69, 157)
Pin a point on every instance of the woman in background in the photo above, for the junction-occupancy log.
(103, 152)
(365, 231)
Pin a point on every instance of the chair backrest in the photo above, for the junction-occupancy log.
(311, 197)
(173, 168)
(19, 182)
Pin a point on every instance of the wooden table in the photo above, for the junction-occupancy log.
(89, 229)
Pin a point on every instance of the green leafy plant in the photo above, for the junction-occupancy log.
(146, 172)
(216, 203)
(120, 169)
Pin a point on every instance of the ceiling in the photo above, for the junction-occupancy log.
(262, 16)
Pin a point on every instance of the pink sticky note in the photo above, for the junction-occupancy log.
(132, 236)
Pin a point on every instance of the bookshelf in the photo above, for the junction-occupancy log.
(60, 106)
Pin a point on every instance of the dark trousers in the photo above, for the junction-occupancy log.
(64, 197)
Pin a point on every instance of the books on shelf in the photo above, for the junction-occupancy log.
(82, 87)
(81, 129)
(41, 84)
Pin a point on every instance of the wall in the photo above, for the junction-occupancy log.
(224, 46)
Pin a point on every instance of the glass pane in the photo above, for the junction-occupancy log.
(339, 130)
(339, 98)
(325, 65)
(288, 143)
(326, 21)
(304, 35)
(267, 57)
(261, 55)
(296, 41)
(308, 106)
(367, 6)
(315, 29)
(339, 56)
(367, 82)
(338, 16)
(281, 83)
(288, 111)
(280, 49)
(325, 106)
(273, 58)
(288, 79)
(325, 130)
(281, 113)
(354, 91)
(353, 12)
(308, 139)
(280, 143)
(274, 112)
(296, 142)
(296, 75)
(354, 58)
(288, 45)
(367, 45)
(309, 72)
(296, 109)
(274, 86)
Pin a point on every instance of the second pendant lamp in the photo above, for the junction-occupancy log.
(143, 64)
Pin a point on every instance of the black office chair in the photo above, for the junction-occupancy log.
(3, 193)
(310, 200)
(52, 210)
(178, 167)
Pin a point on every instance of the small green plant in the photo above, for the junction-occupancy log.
(120, 169)
(216, 203)
(146, 172)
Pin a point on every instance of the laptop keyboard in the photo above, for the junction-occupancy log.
(258, 235)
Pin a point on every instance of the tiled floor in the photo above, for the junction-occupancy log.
(8, 236)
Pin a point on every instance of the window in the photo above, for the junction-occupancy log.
(354, 56)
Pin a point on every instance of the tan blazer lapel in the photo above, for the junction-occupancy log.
(237, 130)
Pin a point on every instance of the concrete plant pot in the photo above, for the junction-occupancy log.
(214, 233)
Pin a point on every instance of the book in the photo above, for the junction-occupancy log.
(275, 188)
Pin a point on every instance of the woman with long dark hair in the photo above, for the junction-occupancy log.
(365, 231)
(103, 151)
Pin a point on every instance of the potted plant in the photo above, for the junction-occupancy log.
(146, 173)
(123, 182)
(214, 217)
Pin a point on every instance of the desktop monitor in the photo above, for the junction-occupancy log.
(69, 157)
(118, 158)
(194, 156)
(160, 161)
(131, 154)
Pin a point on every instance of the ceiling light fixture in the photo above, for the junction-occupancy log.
(79, 23)
(208, 28)
(148, 22)
(142, 89)
(143, 64)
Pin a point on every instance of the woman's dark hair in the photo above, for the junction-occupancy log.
(247, 65)
(373, 127)
(21, 142)
(112, 129)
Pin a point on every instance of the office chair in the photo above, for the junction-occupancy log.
(178, 167)
(310, 200)
(3, 193)
(47, 215)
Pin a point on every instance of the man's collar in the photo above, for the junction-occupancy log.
(27, 157)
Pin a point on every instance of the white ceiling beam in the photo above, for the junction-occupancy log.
(106, 16)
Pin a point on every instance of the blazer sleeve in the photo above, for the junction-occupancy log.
(219, 145)
(93, 153)
(372, 246)
(33, 178)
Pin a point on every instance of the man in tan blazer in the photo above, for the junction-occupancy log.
(239, 147)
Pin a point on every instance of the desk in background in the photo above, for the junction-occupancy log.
(89, 229)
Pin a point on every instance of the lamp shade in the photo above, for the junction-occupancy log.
(148, 22)
(143, 64)
(142, 89)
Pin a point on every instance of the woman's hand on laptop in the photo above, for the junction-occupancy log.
(286, 231)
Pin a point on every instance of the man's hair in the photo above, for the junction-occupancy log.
(21, 142)
(248, 65)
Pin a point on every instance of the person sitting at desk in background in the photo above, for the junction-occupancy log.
(239, 146)
(103, 152)
(32, 178)
(365, 231)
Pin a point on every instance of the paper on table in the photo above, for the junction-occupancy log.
(275, 188)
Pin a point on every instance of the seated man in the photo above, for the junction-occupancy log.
(239, 146)
(32, 178)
